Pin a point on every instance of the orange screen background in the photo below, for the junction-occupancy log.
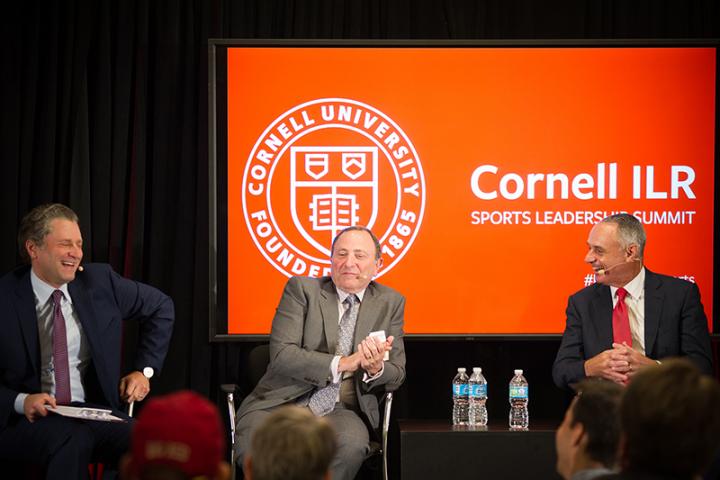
(523, 110)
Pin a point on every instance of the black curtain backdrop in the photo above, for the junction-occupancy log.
(103, 106)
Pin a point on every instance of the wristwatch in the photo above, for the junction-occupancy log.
(148, 372)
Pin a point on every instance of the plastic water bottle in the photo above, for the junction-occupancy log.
(477, 412)
(519, 416)
(460, 398)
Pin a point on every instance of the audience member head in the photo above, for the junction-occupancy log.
(590, 432)
(177, 437)
(670, 417)
(291, 444)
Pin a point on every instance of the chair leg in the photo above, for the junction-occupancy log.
(385, 430)
(231, 416)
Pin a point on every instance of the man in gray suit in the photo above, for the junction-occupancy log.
(328, 350)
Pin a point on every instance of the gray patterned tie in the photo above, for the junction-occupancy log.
(323, 399)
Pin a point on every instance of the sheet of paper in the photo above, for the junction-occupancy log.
(85, 413)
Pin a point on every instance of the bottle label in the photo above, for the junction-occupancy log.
(460, 389)
(518, 391)
(478, 391)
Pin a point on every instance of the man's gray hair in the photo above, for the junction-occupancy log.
(630, 231)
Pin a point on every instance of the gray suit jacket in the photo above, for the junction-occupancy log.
(303, 339)
(675, 324)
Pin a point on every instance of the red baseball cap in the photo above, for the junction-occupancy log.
(181, 430)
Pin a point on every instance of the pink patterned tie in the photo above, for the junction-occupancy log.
(621, 320)
(60, 352)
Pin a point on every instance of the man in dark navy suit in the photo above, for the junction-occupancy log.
(631, 318)
(60, 344)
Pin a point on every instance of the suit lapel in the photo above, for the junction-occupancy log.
(329, 309)
(601, 313)
(653, 309)
(83, 306)
(27, 316)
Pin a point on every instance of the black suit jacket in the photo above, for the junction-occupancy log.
(675, 324)
(102, 299)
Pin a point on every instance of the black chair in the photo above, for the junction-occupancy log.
(258, 361)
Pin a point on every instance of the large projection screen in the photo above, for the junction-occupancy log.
(481, 168)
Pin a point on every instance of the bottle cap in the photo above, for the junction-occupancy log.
(461, 370)
(477, 369)
(518, 372)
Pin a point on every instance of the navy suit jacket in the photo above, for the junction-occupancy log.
(102, 299)
(675, 325)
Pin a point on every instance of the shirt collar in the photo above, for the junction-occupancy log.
(342, 295)
(43, 291)
(634, 287)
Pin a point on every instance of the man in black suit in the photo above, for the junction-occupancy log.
(631, 318)
(61, 344)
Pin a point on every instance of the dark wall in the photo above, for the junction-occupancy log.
(104, 107)
(432, 364)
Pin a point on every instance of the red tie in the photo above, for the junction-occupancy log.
(621, 320)
(60, 353)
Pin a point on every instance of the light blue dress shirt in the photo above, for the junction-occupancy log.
(78, 350)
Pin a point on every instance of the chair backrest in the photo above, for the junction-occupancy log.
(258, 361)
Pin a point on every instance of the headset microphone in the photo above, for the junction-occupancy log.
(603, 271)
(80, 268)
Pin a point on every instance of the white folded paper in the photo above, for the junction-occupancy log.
(85, 413)
(380, 335)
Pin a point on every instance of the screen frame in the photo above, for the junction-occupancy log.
(217, 145)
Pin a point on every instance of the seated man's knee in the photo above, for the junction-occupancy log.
(82, 440)
(351, 452)
(354, 451)
(65, 435)
(352, 444)
(244, 430)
